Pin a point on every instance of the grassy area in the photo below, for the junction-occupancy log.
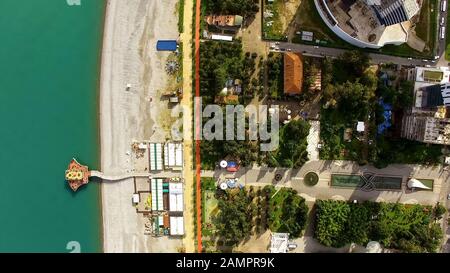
(310, 20)
(388, 183)
(346, 181)
(311, 179)
(427, 182)
(180, 9)
(426, 29)
(274, 31)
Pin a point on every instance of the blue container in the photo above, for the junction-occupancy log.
(166, 45)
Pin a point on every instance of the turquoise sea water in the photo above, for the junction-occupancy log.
(49, 71)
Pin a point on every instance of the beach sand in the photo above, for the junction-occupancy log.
(129, 57)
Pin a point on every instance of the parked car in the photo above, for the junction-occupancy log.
(448, 196)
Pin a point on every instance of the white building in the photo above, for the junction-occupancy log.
(156, 157)
(173, 156)
(176, 197)
(369, 23)
(176, 226)
(279, 243)
(156, 187)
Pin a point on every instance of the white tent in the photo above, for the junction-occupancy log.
(414, 183)
(173, 156)
(157, 194)
(156, 158)
(176, 197)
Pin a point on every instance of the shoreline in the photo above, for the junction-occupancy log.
(99, 131)
(129, 57)
(106, 41)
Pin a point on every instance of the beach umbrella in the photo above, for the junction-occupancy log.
(223, 164)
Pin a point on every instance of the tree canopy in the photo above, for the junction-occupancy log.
(408, 228)
(288, 212)
(232, 7)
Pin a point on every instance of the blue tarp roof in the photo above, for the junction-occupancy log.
(387, 114)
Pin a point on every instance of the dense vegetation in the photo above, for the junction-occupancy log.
(348, 97)
(233, 222)
(221, 62)
(231, 7)
(352, 92)
(408, 228)
(252, 211)
(287, 212)
(292, 151)
(274, 65)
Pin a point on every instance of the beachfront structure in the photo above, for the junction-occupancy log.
(176, 226)
(369, 23)
(156, 186)
(293, 73)
(156, 156)
(77, 175)
(176, 197)
(173, 156)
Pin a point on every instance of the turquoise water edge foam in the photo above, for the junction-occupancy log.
(49, 77)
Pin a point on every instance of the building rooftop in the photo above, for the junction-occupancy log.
(224, 20)
(293, 73)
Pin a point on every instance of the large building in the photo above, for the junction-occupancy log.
(391, 12)
(433, 96)
(427, 129)
(293, 73)
(428, 119)
(369, 23)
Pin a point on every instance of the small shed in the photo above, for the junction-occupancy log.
(360, 127)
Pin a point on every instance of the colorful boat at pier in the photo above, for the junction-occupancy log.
(77, 175)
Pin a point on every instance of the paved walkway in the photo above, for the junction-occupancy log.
(313, 140)
(260, 176)
(188, 174)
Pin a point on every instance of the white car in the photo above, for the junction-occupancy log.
(316, 46)
(448, 196)
(409, 58)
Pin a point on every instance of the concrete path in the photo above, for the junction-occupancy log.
(261, 176)
(188, 174)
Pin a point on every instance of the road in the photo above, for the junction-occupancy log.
(441, 42)
(318, 51)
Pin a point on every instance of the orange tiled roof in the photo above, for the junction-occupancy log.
(293, 73)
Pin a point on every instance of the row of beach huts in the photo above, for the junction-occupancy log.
(163, 202)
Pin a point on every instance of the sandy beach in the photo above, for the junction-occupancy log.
(129, 58)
